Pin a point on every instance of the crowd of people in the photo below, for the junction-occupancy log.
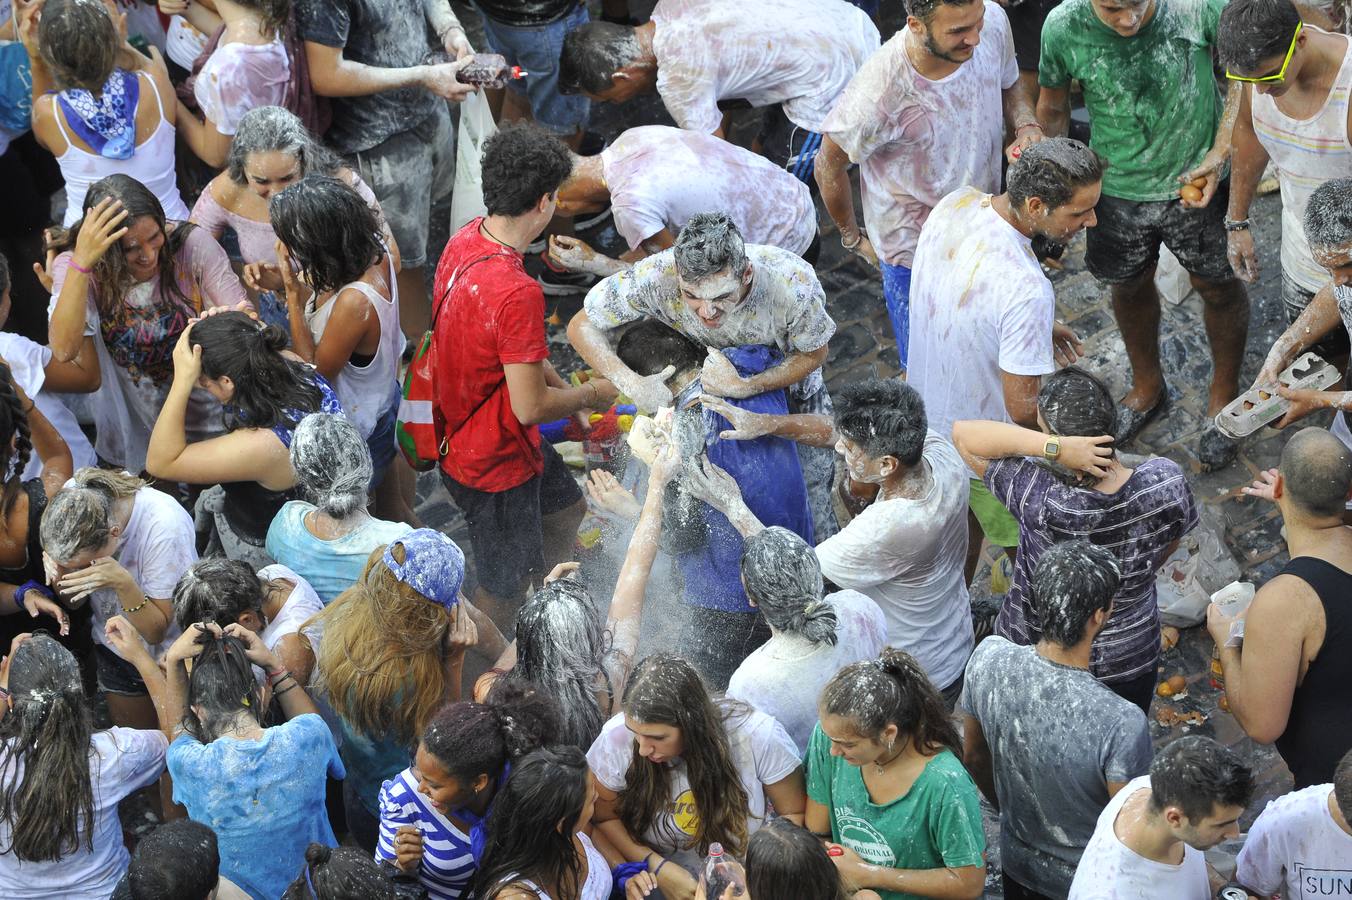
(766, 679)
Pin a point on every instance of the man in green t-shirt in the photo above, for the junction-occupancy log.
(1146, 71)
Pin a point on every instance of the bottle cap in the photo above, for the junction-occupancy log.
(516, 72)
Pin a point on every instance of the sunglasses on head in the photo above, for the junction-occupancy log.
(1280, 74)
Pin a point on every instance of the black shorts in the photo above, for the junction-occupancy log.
(1025, 24)
(1126, 241)
(1294, 300)
(504, 527)
(117, 676)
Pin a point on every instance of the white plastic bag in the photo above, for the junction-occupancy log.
(476, 127)
(1171, 280)
(1200, 566)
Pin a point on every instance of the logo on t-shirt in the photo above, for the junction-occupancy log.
(861, 837)
(683, 813)
(1323, 882)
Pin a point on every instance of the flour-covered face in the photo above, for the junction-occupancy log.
(863, 468)
(1124, 16)
(1338, 261)
(711, 297)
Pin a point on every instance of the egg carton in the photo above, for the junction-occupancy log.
(1257, 407)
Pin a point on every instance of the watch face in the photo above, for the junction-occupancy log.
(1052, 448)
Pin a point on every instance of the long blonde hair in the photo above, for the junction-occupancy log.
(381, 662)
(80, 516)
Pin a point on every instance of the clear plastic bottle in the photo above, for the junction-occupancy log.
(723, 877)
(489, 70)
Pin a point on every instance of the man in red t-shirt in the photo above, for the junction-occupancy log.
(494, 383)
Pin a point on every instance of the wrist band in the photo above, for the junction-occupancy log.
(77, 267)
(1236, 224)
(658, 870)
(858, 239)
(289, 687)
(1037, 125)
(137, 608)
(277, 673)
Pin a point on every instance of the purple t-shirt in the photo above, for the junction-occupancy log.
(1138, 524)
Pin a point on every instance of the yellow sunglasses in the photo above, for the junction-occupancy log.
(1280, 74)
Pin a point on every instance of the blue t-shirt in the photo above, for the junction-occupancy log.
(331, 567)
(771, 478)
(370, 763)
(264, 798)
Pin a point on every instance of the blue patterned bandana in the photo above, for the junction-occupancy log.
(433, 566)
(107, 124)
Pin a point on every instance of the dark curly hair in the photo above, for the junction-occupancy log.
(521, 164)
(472, 739)
(885, 417)
(329, 229)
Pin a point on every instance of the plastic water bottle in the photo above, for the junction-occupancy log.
(722, 877)
(489, 70)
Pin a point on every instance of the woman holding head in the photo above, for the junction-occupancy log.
(115, 542)
(60, 780)
(885, 781)
(343, 305)
(97, 116)
(125, 282)
(265, 393)
(260, 789)
(270, 151)
(677, 771)
(328, 535)
(394, 647)
(432, 814)
(537, 847)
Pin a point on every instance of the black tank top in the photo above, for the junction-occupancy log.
(1319, 730)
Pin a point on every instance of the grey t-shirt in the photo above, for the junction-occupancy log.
(1056, 737)
(388, 34)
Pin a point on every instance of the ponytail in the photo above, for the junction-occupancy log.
(341, 873)
(270, 389)
(472, 739)
(892, 690)
(784, 579)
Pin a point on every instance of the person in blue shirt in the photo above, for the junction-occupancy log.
(708, 549)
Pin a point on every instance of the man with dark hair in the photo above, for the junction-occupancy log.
(1294, 113)
(1300, 846)
(793, 55)
(390, 118)
(177, 861)
(656, 179)
(988, 310)
(1045, 741)
(1146, 72)
(720, 292)
(1286, 675)
(924, 116)
(905, 549)
(1150, 837)
(494, 383)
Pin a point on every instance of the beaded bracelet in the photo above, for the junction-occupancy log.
(137, 608)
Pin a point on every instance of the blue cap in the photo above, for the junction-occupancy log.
(433, 565)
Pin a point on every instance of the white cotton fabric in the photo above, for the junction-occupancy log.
(240, 77)
(28, 363)
(1296, 847)
(908, 556)
(980, 305)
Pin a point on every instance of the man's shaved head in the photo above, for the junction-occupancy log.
(1317, 470)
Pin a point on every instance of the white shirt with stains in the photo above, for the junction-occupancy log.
(980, 305)
(660, 177)
(917, 140)
(799, 53)
(1296, 847)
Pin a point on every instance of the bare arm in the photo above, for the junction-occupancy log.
(80, 375)
(1318, 319)
(804, 428)
(976, 756)
(57, 464)
(830, 171)
(1053, 110)
(335, 76)
(626, 606)
(792, 370)
(1020, 392)
(788, 796)
(673, 880)
(1248, 159)
(202, 138)
(979, 442)
(593, 346)
(534, 400)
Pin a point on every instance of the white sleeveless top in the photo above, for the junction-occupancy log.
(367, 392)
(151, 163)
(598, 883)
(1306, 153)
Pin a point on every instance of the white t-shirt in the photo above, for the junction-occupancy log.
(761, 750)
(785, 675)
(660, 177)
(980, 305)
(28, 362)
(122, 761)
(300, 605)
(801, 53)
(1109, 870)
(1297, 848)
(917, 140)
(908, 555)
(157, 547)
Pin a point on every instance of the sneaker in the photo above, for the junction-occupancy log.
(558, 282)
(591, 220)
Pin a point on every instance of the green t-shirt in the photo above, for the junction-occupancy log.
(937, 823)
(1152, 98)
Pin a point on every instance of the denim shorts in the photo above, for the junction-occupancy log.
(381, 442)
(897, 297)
(537, 49)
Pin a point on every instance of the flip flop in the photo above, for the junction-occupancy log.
(1131, 421)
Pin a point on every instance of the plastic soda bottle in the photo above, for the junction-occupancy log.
(489, 70)
(723, 877)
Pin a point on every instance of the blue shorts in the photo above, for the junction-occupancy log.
(897, 295)
(381, 443)
(537, 49)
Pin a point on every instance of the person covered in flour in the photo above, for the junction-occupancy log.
(715, 289)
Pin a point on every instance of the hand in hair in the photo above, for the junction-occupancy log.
(608, 495)
(187, 358)
(746, 425)
(720, 378)
(243, 306)
(713, 485)
(408, 848)
(189, 643)
(1092, 455)
(563, 569)
(1066, 344)
(255, 651)
(102, 227)
(126, 640)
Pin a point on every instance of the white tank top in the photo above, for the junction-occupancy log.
(1306, 153)
(151, 163)
(598, 883)
(367, 391)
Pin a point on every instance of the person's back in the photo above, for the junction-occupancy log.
(980, 305)
(801, 53)
(330, 565)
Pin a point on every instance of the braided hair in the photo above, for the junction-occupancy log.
(14, 430)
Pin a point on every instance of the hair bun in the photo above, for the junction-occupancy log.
(317, 855)
(274, 338)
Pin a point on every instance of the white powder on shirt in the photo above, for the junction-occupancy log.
(917, 140)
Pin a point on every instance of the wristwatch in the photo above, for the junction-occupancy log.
(1052, 449)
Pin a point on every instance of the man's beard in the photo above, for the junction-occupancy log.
(933, 49)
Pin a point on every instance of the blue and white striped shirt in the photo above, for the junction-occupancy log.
(447, 865)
